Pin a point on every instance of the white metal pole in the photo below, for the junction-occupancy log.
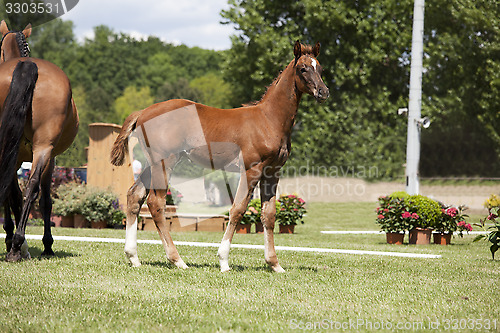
(415, 102)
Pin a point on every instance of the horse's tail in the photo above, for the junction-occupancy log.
(15, 109)
(120, 147)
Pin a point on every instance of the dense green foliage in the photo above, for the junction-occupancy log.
(366, 61)
(365, 54)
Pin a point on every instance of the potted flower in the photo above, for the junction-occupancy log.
(68, 204)
(173, 199)
(493, 235)
(253, 215)
(427, 212)
(451, 220)
(99, 207)
(290, 212)
(391, 219)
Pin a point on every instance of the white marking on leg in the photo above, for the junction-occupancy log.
(223, 254)
(131, 244)
(313, 63)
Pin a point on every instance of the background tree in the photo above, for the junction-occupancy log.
(132, 100)
(212, 90)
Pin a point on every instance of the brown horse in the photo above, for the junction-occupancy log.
(38, 121)
(257, 137)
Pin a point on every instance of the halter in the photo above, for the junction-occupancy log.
(24, 48)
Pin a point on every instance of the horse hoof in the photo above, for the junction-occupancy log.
(278, 269)
(225, 268)
(17, 256)
(180, 264)
(48, 253)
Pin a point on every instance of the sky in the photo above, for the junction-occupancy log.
(189, 22)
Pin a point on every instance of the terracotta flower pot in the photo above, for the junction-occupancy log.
(394, 238)
(56, 219)
(259, 227)
(243, 228)
(287, 229)
(99, 224)
(67, 221)
(80, 221)
(442, 238)
(420, 236)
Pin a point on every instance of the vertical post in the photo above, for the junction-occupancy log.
(415, 102)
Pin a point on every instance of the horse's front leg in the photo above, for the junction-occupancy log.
(46, 207)
(246, 186)
(268, 187)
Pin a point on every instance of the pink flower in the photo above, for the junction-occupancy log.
(414, 215)
(292, 196)
(302, 200)
(380, 216)
(386, 210)
(492, 216)
(295, 209)
(461, 223)
(406, 215)
(468, 227)
(452, 211)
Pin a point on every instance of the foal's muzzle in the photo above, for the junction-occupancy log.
(322, 94)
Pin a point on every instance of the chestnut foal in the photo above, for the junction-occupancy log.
(257, 137)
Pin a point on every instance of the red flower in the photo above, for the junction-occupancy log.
(414, 215)
(406, 215)
(380, 216)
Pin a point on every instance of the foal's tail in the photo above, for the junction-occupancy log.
(15, 109)
(120, 147)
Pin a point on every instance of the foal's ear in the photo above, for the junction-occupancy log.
(3, 28)
(297, 50)
(316, 49)
(27, 31)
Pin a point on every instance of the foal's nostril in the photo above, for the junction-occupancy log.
(323, 93)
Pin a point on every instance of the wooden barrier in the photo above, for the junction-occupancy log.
(100, 172)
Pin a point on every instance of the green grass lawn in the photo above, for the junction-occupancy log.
(90, 287)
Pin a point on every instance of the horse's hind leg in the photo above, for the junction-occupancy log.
(8, 225)
(46, 207)
(12, 204)
(19, 248)
(157, 204)
(135, 198)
